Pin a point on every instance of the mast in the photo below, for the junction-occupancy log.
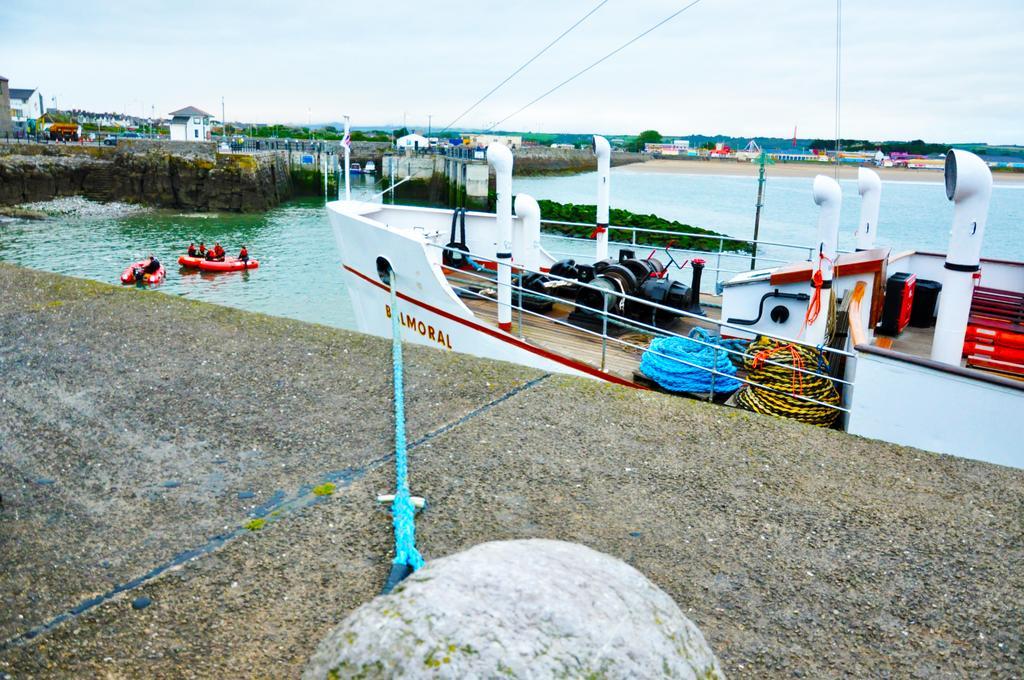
(757, 213)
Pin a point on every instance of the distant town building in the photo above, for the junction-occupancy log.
(511, 141)
(190, 124)
(678, 147)
(26, 108)
(5, 107)
(413, 142)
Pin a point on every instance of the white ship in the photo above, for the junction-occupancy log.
(482, 284)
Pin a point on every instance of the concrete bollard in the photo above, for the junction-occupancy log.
(528, 608)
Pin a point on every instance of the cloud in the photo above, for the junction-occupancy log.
(931, 69)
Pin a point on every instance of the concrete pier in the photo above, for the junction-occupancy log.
(141, 435)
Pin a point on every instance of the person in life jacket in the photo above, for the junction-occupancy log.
(218, 252)
(191, 249)
(150, 265)
(202, 249)
(243, 255)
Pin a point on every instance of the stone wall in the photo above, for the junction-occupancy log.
(542, 160)
(184, 175)
(5, 107)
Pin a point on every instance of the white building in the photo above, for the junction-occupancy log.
(190, 125)
(413, 141)
(511, 141)
(26, 108)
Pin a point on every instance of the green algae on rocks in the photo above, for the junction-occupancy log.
(571, 212)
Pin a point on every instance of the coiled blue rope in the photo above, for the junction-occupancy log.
(685, 365)
(403, 513)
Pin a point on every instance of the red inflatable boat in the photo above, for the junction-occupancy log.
(230, 264)
(128, 275)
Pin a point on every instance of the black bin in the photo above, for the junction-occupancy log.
(922, 312)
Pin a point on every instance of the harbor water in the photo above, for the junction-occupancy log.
(300, 267)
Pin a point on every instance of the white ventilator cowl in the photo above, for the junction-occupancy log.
(969, 186)
(869, 186)
(500, 158)
(526, 240)
(604, 162)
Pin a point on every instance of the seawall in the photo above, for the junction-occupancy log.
(127, 478)
(538, 160)
(182, 175)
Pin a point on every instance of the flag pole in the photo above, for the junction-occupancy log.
(347, 143)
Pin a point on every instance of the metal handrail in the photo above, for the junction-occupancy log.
(706, 266)
(647, 303)
(647, 327)
(605, 337)
(717, 237)
(724, 253)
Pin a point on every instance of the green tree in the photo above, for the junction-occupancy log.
(646, 137)
(401, 132)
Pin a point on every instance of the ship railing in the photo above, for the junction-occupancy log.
(746, 260)
(519, 311)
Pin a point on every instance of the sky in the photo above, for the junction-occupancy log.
(939, 70)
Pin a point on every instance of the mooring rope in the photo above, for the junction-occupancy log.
(777, 389)
(407, 558)
(686, 365)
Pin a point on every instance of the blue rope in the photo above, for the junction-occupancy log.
(403, 513)
(663, 363)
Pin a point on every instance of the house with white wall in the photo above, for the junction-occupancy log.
(413, 142)
(26, 108)
(190, 125)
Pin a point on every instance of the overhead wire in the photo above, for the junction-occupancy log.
(525, 64)
(599, 61)
(839, 53)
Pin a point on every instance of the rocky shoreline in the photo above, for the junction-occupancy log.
(798, 551)
(183, 176)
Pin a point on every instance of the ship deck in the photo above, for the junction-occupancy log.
(554, 332)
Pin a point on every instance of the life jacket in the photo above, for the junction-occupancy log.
(243, 254)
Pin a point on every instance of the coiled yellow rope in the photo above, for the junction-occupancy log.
(779, 387)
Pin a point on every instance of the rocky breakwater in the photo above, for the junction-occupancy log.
(182, 175)
(547, 161)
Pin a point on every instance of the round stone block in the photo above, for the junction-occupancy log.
(520, 609)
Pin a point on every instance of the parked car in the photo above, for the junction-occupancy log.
(110, 140)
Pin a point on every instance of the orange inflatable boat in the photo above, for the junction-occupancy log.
(229, 264)
(133, 274)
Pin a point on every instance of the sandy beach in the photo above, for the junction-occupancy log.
(738, 169)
